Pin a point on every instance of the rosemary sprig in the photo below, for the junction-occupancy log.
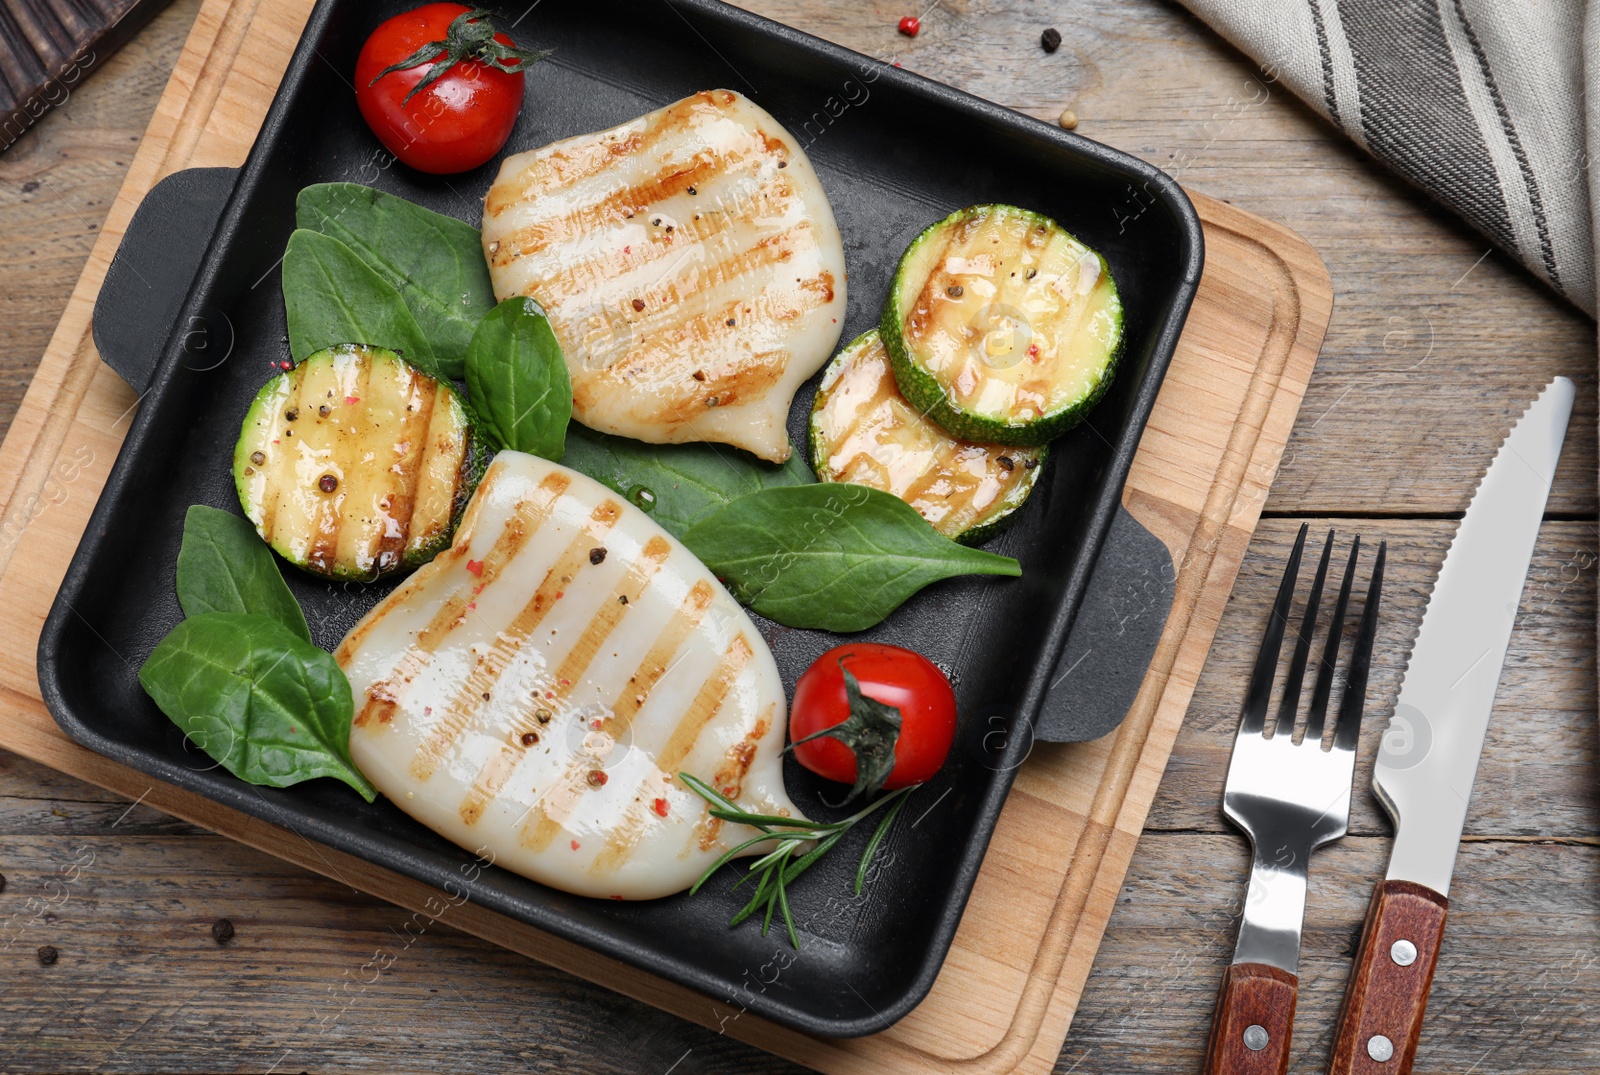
(775, 871)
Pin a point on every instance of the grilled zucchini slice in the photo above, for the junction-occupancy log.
(1001, 326)
(863, 431)
(354, 465)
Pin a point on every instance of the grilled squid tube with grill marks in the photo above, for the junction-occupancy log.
(533, 692)
(690, 265)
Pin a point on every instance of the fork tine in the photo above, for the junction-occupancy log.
(1354, 700)
(1289, 705)
(1316, 720)
(1253, 720)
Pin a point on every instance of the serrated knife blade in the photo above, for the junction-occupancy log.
(1429, 753)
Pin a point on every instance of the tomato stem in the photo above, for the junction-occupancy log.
(469, 37)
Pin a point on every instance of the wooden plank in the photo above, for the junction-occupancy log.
(1199, 482)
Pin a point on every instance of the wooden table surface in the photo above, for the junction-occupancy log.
(1435, 346)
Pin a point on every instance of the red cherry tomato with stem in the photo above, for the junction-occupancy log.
(894, 676)
(440, 90)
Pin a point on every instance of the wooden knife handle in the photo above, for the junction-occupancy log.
(1255, 1016)
(1388, 990)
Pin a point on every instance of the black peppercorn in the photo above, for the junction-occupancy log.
(1050, 39)
(597, 555)
(222, 931)
(48, 955)
(327, 483)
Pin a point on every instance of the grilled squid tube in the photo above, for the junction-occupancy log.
(533, 692)
(690, 264)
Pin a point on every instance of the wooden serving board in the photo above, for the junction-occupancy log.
(1006, 995)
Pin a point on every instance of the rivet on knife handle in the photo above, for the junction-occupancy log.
(1388, 990)
(1255, 1017)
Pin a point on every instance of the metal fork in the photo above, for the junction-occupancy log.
(1289, 798)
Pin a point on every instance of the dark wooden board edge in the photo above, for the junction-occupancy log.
(47, 47)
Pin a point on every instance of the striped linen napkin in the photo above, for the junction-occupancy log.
(1482, 103)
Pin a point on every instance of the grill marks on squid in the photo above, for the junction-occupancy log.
(536, 715)
(383, 698)
(546, 819)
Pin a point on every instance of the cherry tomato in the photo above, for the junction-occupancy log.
(888, 674)
(462, 117)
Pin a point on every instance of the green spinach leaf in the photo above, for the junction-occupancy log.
(435, 262)
(267, 704)
(833, 556)
(518, 380)
(224, 566)
(333, 297)
(679, 484)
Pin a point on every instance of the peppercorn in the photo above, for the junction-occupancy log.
(910, 25)
(327, 483)
(1050, 40)
(48, 955)
(597, 555)
(222, 931)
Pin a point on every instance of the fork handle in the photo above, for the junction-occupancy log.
(1388, 990)
(1255, 1017)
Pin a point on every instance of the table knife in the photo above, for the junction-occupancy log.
(1429, 755)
